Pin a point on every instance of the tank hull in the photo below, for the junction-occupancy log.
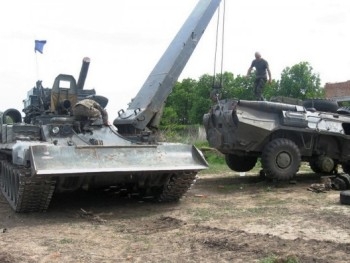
(61, 153)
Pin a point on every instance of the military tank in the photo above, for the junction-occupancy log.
(52, 150)
(282, 135)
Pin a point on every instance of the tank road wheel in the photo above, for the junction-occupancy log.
(240, 163)
(176, 186)
(25, 193)
(281, 159)
(10, 182)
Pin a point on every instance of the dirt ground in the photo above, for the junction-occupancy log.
(223, 218)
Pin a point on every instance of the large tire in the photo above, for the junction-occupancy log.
(281, 159)
(321, 105)
(345, 197)
(240, 163)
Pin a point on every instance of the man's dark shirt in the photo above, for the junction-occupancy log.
(261, 66)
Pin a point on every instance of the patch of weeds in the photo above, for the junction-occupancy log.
(256, 210)
(275, 259)
(269, 189)
(66, 241)
(237, 212)
(262, 211)
(202, 214)
(273, 201)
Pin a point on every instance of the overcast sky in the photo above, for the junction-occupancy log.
(124, 40)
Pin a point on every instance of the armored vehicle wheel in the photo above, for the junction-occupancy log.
(321, 105)
(281, 159)
(240, 163)
(323, 164)
(345, 197)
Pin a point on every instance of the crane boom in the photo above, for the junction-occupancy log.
(146, 108)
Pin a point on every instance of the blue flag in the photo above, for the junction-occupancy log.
(39, 45)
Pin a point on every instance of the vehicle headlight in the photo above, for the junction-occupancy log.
(55, 130)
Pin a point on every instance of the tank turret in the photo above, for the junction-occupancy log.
(41, 103)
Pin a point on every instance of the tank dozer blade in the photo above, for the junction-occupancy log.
(56, 160)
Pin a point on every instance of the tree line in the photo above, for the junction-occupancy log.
(190, 98)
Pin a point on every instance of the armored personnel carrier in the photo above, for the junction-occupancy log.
(52, 150)
(282, 135)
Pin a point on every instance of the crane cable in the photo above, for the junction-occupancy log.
(218, 85)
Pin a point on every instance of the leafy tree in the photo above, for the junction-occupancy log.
(300, 82)
(239, 87)
(242, 88)
(201, 98)
(181, 100)
(271, 89)
(224, 84)
(169, 116)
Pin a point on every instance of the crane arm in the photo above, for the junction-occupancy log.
(146, 108)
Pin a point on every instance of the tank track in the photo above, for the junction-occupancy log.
(23, 192)
(177, 185)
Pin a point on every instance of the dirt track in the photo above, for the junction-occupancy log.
(223, 218)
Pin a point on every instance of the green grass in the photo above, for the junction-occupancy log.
(215, 159)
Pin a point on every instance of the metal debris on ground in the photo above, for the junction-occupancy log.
(318, 188)
(326, 185)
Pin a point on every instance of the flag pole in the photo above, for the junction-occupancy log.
(37, 66)
(39, 46)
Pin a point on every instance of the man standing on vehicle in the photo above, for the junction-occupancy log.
(262, 67)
